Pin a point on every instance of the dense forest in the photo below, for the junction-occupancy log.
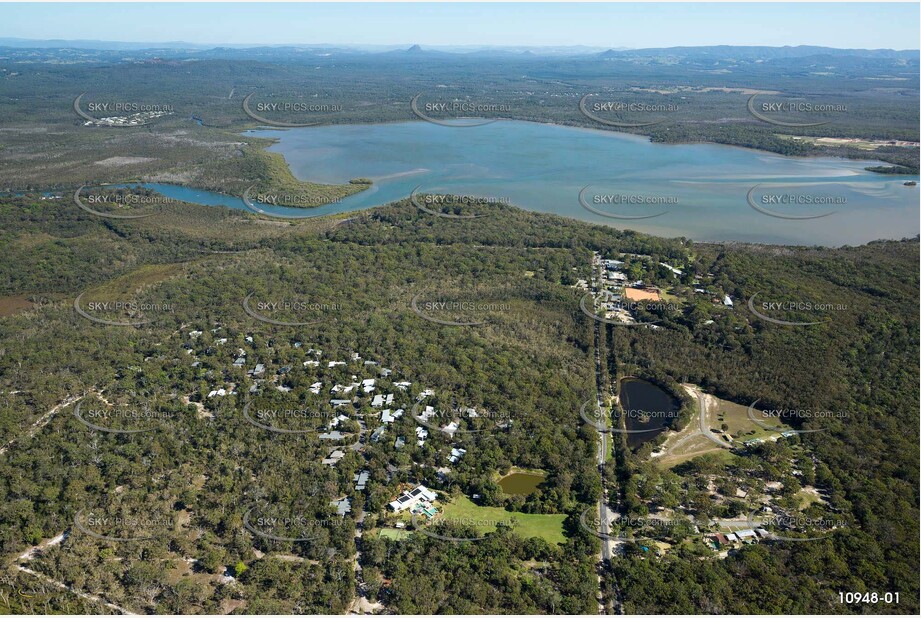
(199, 466)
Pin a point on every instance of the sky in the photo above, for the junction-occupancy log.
(631, 25)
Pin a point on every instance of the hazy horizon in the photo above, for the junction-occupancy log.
(459, 47)
(453, 25)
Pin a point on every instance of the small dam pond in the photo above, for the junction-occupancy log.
(648, 410)
(520, 483)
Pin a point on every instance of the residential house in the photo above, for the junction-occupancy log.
(361, 480)
(388, 417)
(409, 499)
(334, 456)
(746, 535)
(343, 506)
(258, 370)
(378, 433)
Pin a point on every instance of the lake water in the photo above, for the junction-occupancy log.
(520, 483)
(210, 198)
(701, 188)
(648, 410)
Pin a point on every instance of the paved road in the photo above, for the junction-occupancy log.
(605, 516)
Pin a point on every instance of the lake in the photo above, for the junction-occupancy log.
(648, 410)
(520, 483)
(698, 191)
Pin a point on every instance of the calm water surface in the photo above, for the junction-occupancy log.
(648, 410)
(520, 483)
(543, 168)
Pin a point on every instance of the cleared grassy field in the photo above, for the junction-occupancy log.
(485, 518)
(740, 426)
(690, 443)
(689, 448)
(393, 534)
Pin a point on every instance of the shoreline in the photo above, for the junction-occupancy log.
(641, 137)
(737, 243)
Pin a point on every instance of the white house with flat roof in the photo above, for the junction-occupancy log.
(411, 498)
(388, 417)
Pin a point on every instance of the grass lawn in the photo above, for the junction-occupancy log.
(526, 525)
(689, 449)
(741, 427)
(393, 533)
(684, 446)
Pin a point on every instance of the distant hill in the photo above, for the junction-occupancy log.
(98, 45)
(723, 52)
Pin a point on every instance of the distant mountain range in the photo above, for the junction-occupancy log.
(572, 50)
(722, 52)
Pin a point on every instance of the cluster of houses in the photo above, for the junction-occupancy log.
(343, 505)
(375, 395)
(132, 120)
(618, 293)
(450, 429)
(345, 395)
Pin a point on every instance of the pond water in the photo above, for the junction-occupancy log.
(520, 483)
(648, 410)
